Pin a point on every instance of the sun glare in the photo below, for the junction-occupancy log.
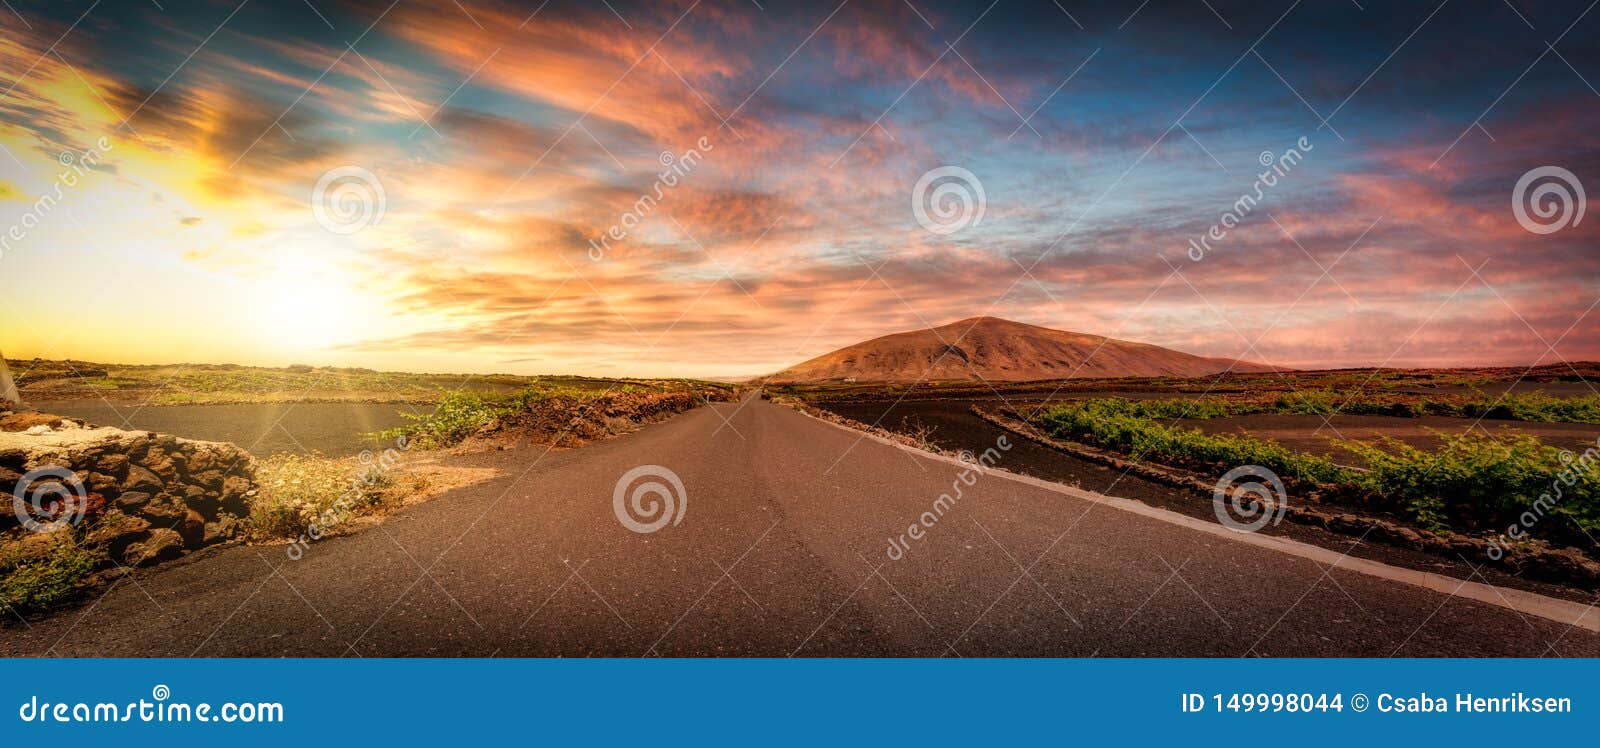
(300, 314)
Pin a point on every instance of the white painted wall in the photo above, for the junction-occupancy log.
(8, 388)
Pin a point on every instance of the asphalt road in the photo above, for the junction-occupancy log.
(781, 550)
(333, 429)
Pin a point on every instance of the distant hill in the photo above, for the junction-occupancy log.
(1001, 350)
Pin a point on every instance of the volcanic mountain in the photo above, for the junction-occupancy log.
(1001, 350)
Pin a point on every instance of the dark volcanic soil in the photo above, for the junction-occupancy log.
(1312, 434)
(956, 428)
(334, 429)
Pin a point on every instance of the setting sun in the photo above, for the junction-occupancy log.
(307, 314)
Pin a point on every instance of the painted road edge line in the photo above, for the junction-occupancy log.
(1519, 601)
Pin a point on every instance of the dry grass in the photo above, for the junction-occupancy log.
(295, 492)
(189, 384)
(298, 492)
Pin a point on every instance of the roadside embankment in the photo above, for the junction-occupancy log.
(566, 420)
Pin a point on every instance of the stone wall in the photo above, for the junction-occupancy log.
(145, 497)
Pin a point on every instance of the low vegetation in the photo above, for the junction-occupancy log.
(1530, 406)
(294, 491)
(1127, 426)
(41, 570)
(1475, 482)
(1481, 482)
(184, 384)
(459, 415)
(455, 417)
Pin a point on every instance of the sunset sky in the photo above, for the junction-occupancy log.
(507, 138)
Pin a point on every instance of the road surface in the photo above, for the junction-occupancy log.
(781, 550)
(333, 429)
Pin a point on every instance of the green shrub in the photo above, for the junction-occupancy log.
(530, 396)
(1123, 425)
(1537, 406)
(1533, 406)
(32, 578)
(456, 417)
(1482, 481)
(1475, 482)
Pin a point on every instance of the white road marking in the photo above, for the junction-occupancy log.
(1527, 603)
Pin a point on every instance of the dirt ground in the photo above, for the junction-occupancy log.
(1307, 433)
(1313, 434)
